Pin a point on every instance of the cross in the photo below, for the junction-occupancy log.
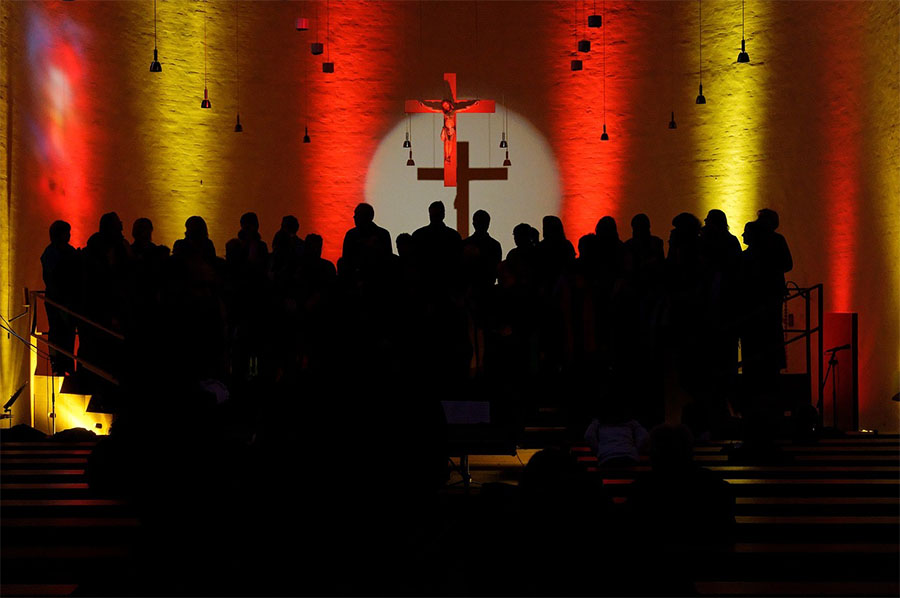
(449, 106)
(466, 174)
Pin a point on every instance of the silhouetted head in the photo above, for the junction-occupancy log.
(522, 235)
(606, 229)
(404, 244)
(446, 105)
(233, 251)
(716, 220)
(142, 231)
(686, 222)
(250, 222)
(535, 236)
(640, 226)
(312, 246)
(60, 232)
(290, 225)
(752, 231)
(195, 229)
(436, 212)
(550, 473)
(110, 225)
(553, 229)
(671, 448)
(587, 246)
(363, 214)
(481, 220)
(768, 219)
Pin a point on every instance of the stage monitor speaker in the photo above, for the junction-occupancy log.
(841, 363)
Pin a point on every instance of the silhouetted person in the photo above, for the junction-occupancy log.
(616, 438)
(439, 249)
(642, 307)
(287, 247)
(675, 509)
(147, 267)
(780, 255)
(644, 256)
(555, 252)
(106, 267)
(684, 277)
(481, 253)
(721, 258)
(256, 252)
(196, 241)
(62, 280)
(367, 247)
(610, 252)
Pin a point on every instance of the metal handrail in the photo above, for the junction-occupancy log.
(82, 362)
(71, 312)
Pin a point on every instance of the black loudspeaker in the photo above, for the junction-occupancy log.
(317, 48)
(577, 65)
(584, 45)
(595, 20)
(327, 67)
(841, 362)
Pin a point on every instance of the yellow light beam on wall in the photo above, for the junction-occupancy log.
(184, 143)
(731, 156)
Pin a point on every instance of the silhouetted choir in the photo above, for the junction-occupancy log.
(275, 384)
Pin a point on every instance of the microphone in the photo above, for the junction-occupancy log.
(14, 397)
(836, 349)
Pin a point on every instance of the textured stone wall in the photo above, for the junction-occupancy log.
(811, 127)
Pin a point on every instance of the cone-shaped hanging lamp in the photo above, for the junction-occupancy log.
(205, 103)
(701, 99)
(306, 138)
(410, 162)
(506, 162)
(672, 124)
(238, 127)
(155, 66)
(743, 57)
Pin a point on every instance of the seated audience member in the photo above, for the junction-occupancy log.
(677, 502)
(616, 438)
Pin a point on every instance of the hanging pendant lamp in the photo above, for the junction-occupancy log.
(701, 99)
(672, 124)
(743, 57)
(327, 66)
(595, 20)
(410, 162)
(306, 138)
(316, 47)
(506, 162)
(584, 44)
(407, 143)
(155, 66)
(238, 127)
(604, 136)
(205, 103)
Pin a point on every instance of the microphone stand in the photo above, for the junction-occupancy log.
(833, 367)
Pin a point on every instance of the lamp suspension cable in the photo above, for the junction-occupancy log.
(237, 61)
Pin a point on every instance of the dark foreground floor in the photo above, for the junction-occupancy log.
(824, 523)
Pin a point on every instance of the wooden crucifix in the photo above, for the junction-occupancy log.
(465, 174)
(449, 106)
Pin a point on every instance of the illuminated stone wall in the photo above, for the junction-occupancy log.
(811, 127)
